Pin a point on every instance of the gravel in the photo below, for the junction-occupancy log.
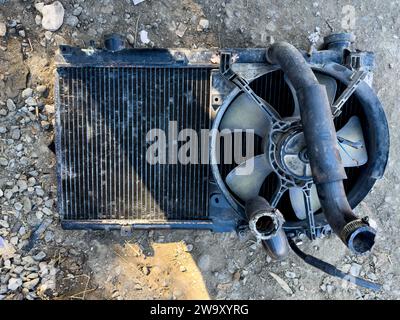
(52, 15)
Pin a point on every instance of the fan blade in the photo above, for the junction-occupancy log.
(330, 85)
(296, 111)
(244, 113)
(327, 81)
(351, 144)
(246, 183)
(298, 204)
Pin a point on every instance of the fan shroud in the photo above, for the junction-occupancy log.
(273, 88)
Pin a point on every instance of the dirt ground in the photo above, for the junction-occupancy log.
(43, 261)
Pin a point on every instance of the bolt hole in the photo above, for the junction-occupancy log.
(216, 200)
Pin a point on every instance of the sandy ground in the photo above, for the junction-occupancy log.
(182, 264)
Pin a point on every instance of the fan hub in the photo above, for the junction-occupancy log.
(293, 155)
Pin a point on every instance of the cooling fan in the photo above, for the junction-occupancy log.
(284, 151)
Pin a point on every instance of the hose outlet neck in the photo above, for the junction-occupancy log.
(359, 236)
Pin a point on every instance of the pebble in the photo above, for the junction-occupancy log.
(18, 206)
(204, 262)
(11, 105)
(28, 92)
(72, 21)
(27, 204)
(355, 269)
(3, 162)
(189, 248)
(131, 39)
(1, 193)
(49, 108)
(145, 270)
(52, 15)
(31, 101)
(48, 236)
(3, 29)
(30, 285)
(41, 89)
(3, 130)
(144, 37)
(203, 25)
(182, 268)
(77, 11)
(38, 20)
(14, 284)
(16, 134)
(135, 2)
(40, 256)
(290, 275)
(22, 185)
(180, 31)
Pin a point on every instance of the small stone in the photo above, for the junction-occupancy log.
(14, 284)
(49, 108)
(145, 270)
(14, 241)
(40, 256)
(290, 275)
(38, 20)
(18, 206)
(1, 193)
(27, 204)
(3, 162)
(72, 21)
(3, 29)
(52, 15)
(355, 269)
(30, 285)
(182, 268)
(136, 2)
(22, 185)
(39, 191)
(131, 39)
(11, 105)
(77, 11)
(48, 236)
(180, 31)
(31, 101)
(204, 262)
(41, 89)
(22, 33)
(8, 194)
(189, 248)
(144, 37)
(28, 92)
(22, 231)
(3, 130)
(47, 211)
(203, 25)
(48, 35)
(16, 134)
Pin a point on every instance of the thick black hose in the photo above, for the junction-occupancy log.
(320, 135)
(332, 270)
(266, 223)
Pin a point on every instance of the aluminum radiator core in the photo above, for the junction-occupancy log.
(104, 116)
